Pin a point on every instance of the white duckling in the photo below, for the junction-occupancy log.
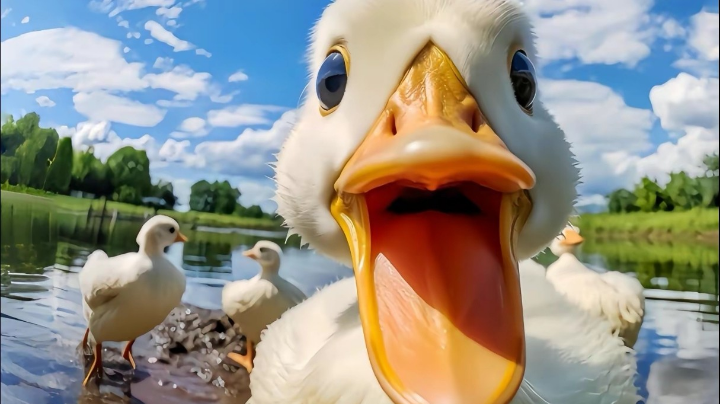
(128, 295)
(612, 295)
(257, 302)
(423, 159)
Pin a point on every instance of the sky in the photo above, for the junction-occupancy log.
(209, 87)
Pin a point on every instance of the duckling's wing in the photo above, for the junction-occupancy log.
(102, 278)
(630, 295)
(289, 291)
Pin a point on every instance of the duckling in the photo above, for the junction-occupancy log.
(255, 303)
(127, 295)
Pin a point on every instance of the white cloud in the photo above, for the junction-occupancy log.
(124, 24)
(158, 32)
(126, 49)
(118, 6)
(242, 115)
(237, 76)
(684, 104)
(67, 58)
(191, 127)
(101, 106)
(174, 151)
(5, 13)
(163, 63)
(45, 101)
(182, 80)
(25, 20)
(171, 23)
(171, 13)
(594, 31)
(148, 41)
(247, 155)
(203, 52)
(596, 120)
(701, 54)
(173, 103)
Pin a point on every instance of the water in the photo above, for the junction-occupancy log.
(43, 249)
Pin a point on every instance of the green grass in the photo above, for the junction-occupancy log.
(695, 223)
(17, 195)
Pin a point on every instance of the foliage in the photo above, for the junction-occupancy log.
(129, 171)
(89, 174)
(217, 197)
(163, 195)
(60, 170)
(681, 193)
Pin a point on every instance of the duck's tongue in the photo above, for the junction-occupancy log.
(440, 305)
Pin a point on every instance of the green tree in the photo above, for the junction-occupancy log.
(217, 197)
(11, 137)
(89, 174)
(622, 200)
(164, 195)
(712, 165)
(254, 211)
(226, 197)
(650, 197)
(201, 197)
(35, 153)
(9, 170)
(60, 170)
(129, 167)
(683, 191)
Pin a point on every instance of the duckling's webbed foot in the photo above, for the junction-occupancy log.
(127, 353)
(246, 360)
(96, 364)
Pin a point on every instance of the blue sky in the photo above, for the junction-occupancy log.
(208, 87)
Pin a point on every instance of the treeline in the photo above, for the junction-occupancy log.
(35, 157)
(682, 192)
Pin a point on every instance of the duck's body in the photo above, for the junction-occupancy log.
(423, 159)
(257, 302)
(127, 295)
(613, 296)
(326, 362)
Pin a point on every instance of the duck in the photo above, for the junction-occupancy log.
(423, 158)
(254, 303)
(126, 296)
(615, 296)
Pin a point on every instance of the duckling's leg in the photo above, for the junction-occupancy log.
(127, 353)
(85, 339)
(246, 360)
(96, 365)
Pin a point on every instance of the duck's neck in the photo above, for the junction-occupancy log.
(269, 270)
(151, 248)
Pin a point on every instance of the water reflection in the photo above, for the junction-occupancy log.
(42, 251)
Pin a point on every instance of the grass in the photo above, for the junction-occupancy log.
(16, 195)
(693, 224)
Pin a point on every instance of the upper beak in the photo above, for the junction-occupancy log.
(180, 238)
(571, 237)
(438, 293)
(250, 254)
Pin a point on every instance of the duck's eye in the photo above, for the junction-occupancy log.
(331, 81)
(172, 230)
(263, 250)
(524, 81)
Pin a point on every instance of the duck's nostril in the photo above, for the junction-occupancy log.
(476, 121)
(392, 124)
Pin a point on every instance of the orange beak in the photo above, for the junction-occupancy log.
(250, 254)
(430, 204)
(180, 238)
(572, 238)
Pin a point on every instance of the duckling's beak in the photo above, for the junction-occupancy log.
(250, 254)
(180, 238)
(572, 238)
(431, 203)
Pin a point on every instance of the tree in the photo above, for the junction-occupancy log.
(622, 200)
(226, 198)
(217, 197)
(201, 197)
(650, 197)
(89, 174)
(163, 195)
(35, 153)
(60, 170)
(254, 211)
(683, 191)
(129, 167)
(9, 170)
(712, 165)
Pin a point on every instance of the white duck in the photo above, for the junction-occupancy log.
(421, 158)
(126, 296)
(257, 302)
(612, 295)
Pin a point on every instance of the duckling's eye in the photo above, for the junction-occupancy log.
(524, 80)
(263, 250)
(172, 230)
(331, 81)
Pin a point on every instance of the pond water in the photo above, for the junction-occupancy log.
(43, 248)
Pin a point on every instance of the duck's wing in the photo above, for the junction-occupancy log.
(572, 357)
(240, 295)
(102, 278)
(630, 298)
(289, 291)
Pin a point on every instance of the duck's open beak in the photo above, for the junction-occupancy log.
(180, 238)
(430, 204)
(572, 238)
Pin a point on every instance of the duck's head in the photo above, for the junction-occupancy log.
(567, 241)
(266, 253)
(423, 157)
(159, 232)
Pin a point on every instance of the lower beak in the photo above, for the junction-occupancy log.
(250, 254)
(430, 204)
(180, 238)
(572, 238)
